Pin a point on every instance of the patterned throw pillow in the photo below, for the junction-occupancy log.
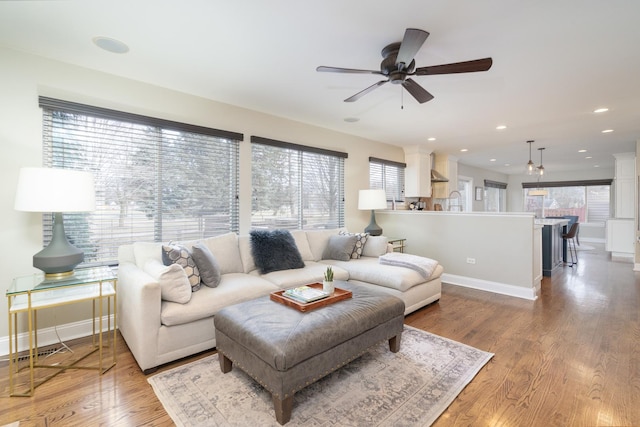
(178, 254)
(362, 239)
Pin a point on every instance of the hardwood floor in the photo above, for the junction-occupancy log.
(571, 358)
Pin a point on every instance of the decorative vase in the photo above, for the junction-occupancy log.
(327, 286)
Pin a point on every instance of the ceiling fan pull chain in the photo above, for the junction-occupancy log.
(401, 99)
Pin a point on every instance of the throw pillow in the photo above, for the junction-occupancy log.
(359, 247)
(340, 247)
(173, 280)
(207, 265)
(274, 250)
(376, 246)
(178, 254)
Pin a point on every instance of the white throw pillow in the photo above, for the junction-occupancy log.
(376, 246)
(173, 280)
(225, 249)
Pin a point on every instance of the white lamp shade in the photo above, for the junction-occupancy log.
(55, 190)
(372, 199)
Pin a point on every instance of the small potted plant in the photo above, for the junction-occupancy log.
(327, 284)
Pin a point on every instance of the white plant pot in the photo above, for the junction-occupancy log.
(328, 287)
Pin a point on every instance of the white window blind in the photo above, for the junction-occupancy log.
(388, 175)
(156, 180)
(295, 186)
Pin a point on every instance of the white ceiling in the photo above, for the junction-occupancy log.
(554, 62)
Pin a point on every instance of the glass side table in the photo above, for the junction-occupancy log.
(28, 294)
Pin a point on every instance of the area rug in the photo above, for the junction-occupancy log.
(409, 388)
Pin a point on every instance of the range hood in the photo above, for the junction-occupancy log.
(435, 175)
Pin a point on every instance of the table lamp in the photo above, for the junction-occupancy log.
(57, 191)
(372, 199)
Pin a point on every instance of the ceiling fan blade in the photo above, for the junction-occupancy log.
(366, 91)
(322, 68)
(457, 67)
(418, 92)
(411, 44)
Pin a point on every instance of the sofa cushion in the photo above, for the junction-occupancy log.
(302, 243)
(369, 270)
(340, 247)
(313, 272)
(179, 254)
(274, 250)
(233, 288)
(318, 240)
(360, 242)
(375, 246)
(225, 249)
(173, 280)
(207, 264)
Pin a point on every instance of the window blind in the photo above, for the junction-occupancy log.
(388, 175)
(155, 180)
(295, 186)
(495, 184)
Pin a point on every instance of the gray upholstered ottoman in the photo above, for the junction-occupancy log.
(285, 350)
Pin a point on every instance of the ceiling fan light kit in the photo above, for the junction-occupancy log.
(398, 64)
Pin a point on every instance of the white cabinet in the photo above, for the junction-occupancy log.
(417, 175)
(447, 166)
(620, 237)
(625, 174)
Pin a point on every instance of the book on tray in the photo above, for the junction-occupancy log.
(305, 294)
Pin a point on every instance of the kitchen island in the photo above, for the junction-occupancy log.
(553, 245)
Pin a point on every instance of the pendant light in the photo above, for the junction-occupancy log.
(530, 169)
(541, 168)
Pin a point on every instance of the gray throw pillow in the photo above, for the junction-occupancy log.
(178, 254)
(207, 264)
(340, 247)
(274, 250)
(359, 247)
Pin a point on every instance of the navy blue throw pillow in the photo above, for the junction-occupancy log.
(274, 250)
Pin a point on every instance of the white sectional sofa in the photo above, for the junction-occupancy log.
(159, 331)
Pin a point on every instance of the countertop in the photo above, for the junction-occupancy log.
(551, 221)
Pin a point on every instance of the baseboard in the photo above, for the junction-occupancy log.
(489, 286)
(47, 336)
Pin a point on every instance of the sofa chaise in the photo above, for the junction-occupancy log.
(159, 330)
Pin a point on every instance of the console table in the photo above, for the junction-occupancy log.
(28, 294)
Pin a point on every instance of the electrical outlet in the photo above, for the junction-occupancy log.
(471, 260)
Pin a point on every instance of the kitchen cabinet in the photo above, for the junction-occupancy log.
(417, 175)
(620, 237)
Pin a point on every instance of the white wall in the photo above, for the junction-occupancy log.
(504, 247)
(24, 77)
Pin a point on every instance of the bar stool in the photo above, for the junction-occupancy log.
(570, 237)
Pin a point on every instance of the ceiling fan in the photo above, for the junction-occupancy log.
(398, 64)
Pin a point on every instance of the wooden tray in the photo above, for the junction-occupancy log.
(338, 295)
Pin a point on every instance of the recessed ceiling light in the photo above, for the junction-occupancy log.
(431, 139)
(351, 119)
(596, 166)
(588, 157)
(507, 164)
(492, 160)
(501, 127)
(601, 110)
(110, 45)
(582, 151)
(464, 150)
(607, 131)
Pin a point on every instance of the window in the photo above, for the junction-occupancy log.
(389, 176)
(589, 200)
(156, 180)
(465, 188)
(495, 196)
(295, 186)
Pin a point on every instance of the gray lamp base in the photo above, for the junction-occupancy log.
(60, 257)
(373, 229)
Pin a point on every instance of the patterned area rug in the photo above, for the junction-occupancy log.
(409, 388)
